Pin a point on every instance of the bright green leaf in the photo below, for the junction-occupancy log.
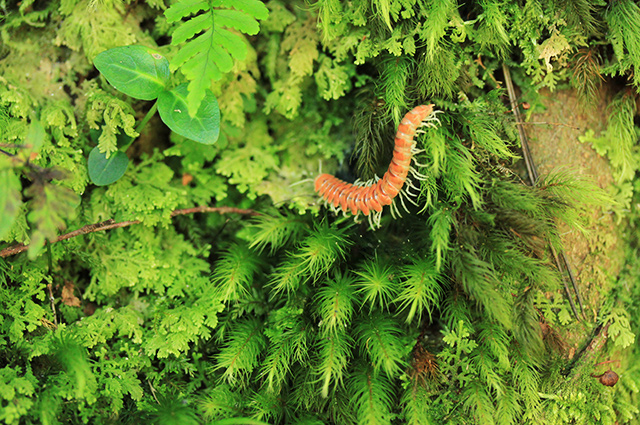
(103, 170)
(204, 127)
(136, 71)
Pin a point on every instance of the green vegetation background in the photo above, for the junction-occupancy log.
(453, 314)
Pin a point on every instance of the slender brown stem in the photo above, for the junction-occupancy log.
(112, 224)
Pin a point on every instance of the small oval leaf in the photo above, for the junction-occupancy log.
(204, 127)
(136, 71)
(103, 170)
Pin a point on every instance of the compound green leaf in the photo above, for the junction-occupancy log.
(237, 20)
(255, 8)
(185, 8)
(190, 28)
(203, 127)
(232, 42)
(103, 170)
(136, 71)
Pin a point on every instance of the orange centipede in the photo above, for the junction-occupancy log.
(370, 197)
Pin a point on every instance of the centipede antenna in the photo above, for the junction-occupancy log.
(533, 178)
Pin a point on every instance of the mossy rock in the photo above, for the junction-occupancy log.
(596, 255)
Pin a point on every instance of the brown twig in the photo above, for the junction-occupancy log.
(533, 178)
(112, 224)
(590, 350)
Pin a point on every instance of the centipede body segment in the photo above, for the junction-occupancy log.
(370, 197)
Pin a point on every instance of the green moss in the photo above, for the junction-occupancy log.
(454, 313)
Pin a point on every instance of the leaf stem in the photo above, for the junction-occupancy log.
(147, 117)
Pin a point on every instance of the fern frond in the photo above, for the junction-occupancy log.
(276, 231)
(376, 283)
(321, 249)
(456, 308)
(335, 303)
(383, 9)
(373, 129)
(288, 343)
(461, 180)
(623, 18)
(392, 88)
(437, 16)
(586, 77)
(497, 342)
(479, 118)
(489, 375)
(573, 190)
(580, 14)
(220, 402)
(265, 406)
(371, 396)
(421, 289)
(330, 14)
(287, 277)
(526, 325)
(73, 357)
(234, 272)
(334, 352)
(172, 410)
(479, 281)
(210, 47)
(441, 223)
(417, 405)
(493, 31)
(315, 256)
(507, 195)
(567, 195)
(508, 407)
(477, 401)
(526, 379)
(240, 355)
(437, 75)
(380, 337)
(435, 144)
(621, 129)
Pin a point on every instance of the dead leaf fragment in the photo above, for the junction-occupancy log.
(67, 295)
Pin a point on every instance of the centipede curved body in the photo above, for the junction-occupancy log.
(370, 197)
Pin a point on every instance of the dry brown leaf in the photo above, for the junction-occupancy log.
(67, 295)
